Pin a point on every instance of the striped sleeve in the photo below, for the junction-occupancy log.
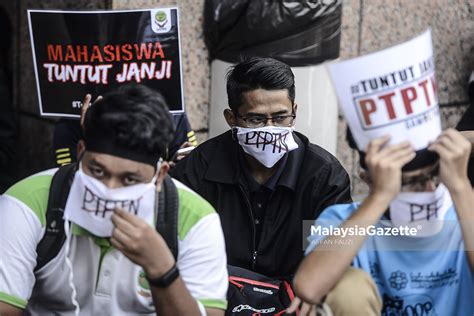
(202, 258)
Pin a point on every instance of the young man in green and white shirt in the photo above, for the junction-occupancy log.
(125, 133)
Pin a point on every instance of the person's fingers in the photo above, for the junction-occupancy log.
(87, 99)
(393, 149)
(120, 236)
(293, 306)
(98, 98)
(186, 144)
(400, 155)
(120, 220)
(85, 106)
(305, 309)
(454, 135)
(455, 143)
(453, 140)
(390, 155)
(440, 149)
(404, 158)
(447, 143)
(178, 158)
(86, 103)
(375, 144)
(117, 244)
(127, 221)
(374, 149)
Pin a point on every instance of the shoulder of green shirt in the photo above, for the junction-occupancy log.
(33, 192)
(192, 208)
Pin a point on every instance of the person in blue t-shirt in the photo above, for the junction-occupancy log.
(413, 233)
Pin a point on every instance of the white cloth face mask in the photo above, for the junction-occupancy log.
(424, 211)
(91, 203)
(267, 144)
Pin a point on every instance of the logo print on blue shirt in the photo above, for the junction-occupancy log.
(398, 280)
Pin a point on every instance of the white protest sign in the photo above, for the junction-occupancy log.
(393, 92)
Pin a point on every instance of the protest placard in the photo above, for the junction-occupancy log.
(80, 52)
(392, 92)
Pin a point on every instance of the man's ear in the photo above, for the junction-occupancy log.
(230, 118)
(164, 168)
(295, 108)
(365, 176)
(81, 148)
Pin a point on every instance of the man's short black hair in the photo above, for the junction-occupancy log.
(258, 73)
(134, 117)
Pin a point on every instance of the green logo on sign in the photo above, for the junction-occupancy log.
(160, 16)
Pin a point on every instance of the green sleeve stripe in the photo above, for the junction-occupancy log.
(192, 208)
(13, 300)
(214, 303)
(33, 192)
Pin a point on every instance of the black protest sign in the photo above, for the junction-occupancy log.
(76, 53)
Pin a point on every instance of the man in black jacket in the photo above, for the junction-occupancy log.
(261, 177)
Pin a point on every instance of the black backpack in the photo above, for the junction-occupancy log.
(254, 294)
(54, 237)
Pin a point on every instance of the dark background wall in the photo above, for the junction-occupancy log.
(34, 137)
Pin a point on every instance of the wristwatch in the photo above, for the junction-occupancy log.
(166, 279)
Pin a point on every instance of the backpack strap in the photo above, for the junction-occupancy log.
(49, 246)
(54, 236)
(168, 213)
